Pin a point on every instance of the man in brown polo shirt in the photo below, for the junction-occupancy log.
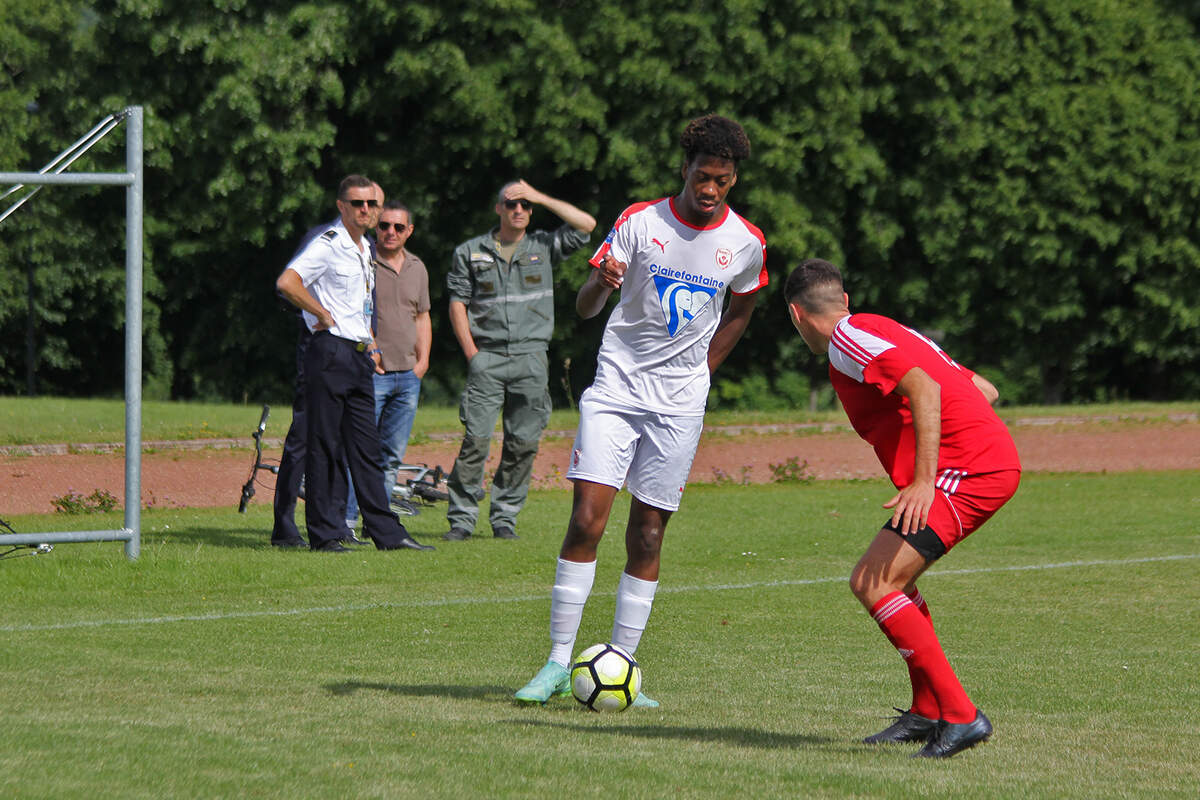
(403, 334)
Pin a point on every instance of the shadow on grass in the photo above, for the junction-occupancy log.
(215, 537)
(744, 737)
(424, 690)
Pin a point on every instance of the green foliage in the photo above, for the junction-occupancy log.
(100, 501)
(791, 471)
(1019, 177)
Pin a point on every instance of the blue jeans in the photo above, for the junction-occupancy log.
(396, 396)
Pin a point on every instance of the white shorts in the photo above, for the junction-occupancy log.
(651, 452)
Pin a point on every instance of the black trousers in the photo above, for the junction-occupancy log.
(295, 446)
(340, 393)
(295, 450)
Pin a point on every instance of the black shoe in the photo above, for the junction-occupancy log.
(289, 544)
(954, 737)
(456, 535)
(908, 727)
(504, 533)
(350, 538)
(407, 543)
(331, 546)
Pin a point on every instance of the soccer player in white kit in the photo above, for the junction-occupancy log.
(673, 261)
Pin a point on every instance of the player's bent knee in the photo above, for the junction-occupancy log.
(645, 543)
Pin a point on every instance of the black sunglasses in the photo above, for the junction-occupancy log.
(514, 203)
(361, 203)
(387, 226)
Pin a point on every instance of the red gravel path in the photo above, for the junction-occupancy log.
(213, 475)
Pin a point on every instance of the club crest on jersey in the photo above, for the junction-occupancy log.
(724, 257)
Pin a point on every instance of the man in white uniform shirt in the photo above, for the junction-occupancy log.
(331, 281)
(673, 261)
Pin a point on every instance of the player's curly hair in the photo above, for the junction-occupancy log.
(714, 135)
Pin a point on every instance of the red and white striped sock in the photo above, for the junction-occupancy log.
(912, 634)
(924, 702)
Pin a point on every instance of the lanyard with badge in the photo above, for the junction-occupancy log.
(368, 271)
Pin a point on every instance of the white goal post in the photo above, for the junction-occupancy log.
(131, 179)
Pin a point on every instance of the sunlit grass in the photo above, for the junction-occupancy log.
(215, 666)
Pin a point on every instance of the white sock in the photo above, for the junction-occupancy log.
(634, 599)
(572, 585)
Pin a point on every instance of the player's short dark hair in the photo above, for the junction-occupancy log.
(354, 182)
(715, 136)
(815, 285)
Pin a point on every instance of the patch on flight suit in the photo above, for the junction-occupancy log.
(533, 279)
(487, 287)
(482, 261)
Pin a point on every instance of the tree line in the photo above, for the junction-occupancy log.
(1018, 179)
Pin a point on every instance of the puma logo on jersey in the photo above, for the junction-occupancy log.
(662, 245)
(681, 302)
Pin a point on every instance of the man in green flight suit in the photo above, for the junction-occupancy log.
(501, 288)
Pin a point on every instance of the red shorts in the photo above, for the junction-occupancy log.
(960, 506)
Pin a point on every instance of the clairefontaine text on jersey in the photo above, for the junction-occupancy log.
(684, 275)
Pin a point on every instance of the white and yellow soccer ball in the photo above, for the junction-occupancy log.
(605, 677)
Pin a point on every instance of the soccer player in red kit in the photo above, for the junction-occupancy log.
(953, 463)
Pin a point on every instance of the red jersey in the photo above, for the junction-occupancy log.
(868, 355)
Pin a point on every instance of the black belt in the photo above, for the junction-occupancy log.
(359, 346)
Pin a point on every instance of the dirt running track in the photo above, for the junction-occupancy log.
(212, 473)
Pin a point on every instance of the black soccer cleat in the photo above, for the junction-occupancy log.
(908, 727)
(952, 737)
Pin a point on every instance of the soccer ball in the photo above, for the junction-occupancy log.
(605, 678)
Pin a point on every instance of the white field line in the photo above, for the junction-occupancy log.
(463, 601)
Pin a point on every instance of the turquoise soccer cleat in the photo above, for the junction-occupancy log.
(642, 701)
(552, 680)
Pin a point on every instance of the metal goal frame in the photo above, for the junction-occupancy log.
(132, 180)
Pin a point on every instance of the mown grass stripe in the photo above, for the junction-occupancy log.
(462, 601)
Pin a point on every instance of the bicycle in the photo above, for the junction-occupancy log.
(417, 485)
(18, 550)
(273, 468)
(419, 488)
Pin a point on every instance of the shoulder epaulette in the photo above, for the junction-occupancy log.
(330, 234)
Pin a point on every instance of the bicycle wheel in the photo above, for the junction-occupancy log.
(429, 493)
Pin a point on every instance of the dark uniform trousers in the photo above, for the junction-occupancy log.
(295, 450)
(341, 428)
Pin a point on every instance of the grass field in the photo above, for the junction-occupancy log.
(215, 666)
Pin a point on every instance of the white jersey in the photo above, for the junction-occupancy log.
(340, 277)
(654, 355)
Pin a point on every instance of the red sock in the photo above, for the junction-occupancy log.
(919, 602)
(911, 633)
(924, 702)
